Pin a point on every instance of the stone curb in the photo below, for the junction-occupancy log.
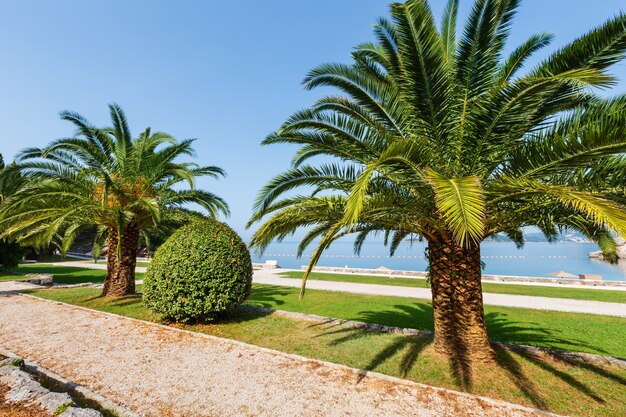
(81, 285)
(341, 322)
(105, 403)
(486, 400)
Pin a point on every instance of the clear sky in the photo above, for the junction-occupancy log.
(225, 72)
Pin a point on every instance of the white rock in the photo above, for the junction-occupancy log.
(80, 412)
(22, 385)
(53, 400)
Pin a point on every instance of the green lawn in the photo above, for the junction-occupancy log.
(144, 264)
(586, 390)
(62, 274)
(567, 331)
(100, 261)
(612, 296)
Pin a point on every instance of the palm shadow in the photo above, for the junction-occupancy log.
(500, 327)
(65, 274)
(528, 334)
(118, 301)
(412, 346)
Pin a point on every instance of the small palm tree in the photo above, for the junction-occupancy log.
(11, 179)
(443, 138)
(10, 183)
(107, 178)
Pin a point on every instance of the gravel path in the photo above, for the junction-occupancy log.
(160, 371)
(539, 303)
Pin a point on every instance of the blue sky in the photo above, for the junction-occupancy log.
(225, 72)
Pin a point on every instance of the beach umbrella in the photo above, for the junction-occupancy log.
(562, 274)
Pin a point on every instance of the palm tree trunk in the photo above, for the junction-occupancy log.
(455, 274)
(120, 277)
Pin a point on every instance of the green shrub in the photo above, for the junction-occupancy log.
(203, 269)
(11, 254)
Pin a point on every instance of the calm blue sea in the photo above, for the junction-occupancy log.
(535, 259)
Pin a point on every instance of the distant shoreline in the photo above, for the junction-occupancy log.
(511, 279)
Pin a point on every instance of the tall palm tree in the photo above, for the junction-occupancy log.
(107, 178)
(444, 138)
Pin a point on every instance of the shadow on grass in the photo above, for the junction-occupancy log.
(126, 301)
(498, 324)
(64, 274)
(268, 296)
(412, 345)
(500, 327)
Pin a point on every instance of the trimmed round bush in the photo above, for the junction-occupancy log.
(202, 270)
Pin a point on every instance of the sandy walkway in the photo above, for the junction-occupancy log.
(155, 370)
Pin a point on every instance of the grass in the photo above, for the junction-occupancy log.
(612, 296)
(542, 382)
(566, 331)
(62, 274)
(100, 261)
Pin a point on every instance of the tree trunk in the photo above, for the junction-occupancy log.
(120, 277)
(455, 274)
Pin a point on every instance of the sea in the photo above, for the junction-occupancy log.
(535, 259)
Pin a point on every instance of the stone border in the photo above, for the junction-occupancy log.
(25, 390)
(340, 322)
(72, 387)
(572, 357)
(392, 379)
(80, 285)
(37, 279)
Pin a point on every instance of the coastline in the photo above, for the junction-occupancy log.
(499, 259)
(497, 279)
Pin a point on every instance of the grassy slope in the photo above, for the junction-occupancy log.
(539, 382)
(557, 292)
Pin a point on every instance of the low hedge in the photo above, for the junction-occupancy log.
(202, 270)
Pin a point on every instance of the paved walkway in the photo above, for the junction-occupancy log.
(161, 371)
(539, 303)
(11, 286)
